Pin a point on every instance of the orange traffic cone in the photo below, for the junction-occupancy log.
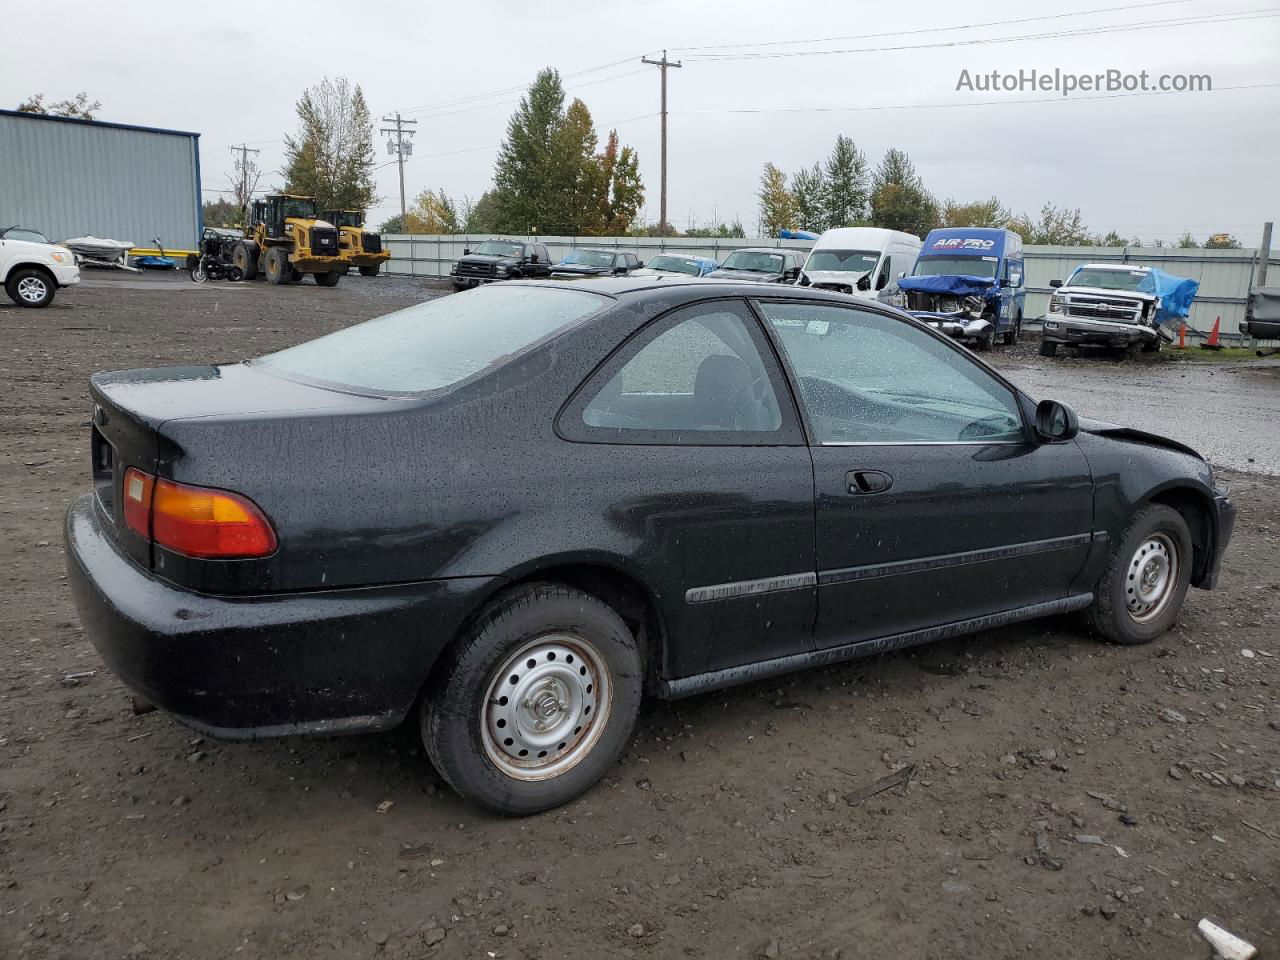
(1182, 337)
(1213, 343)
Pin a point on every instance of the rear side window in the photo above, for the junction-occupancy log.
(440, 343)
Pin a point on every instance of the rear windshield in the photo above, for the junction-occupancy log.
(439, 343)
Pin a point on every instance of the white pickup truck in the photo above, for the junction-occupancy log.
(1102, 304)
(32, 269)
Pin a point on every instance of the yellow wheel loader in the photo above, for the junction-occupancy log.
(286, 240)
(357, 246)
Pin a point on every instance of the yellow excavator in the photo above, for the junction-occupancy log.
(357, 246)
(285, 240)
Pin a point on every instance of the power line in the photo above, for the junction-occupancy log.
(504, 103)
(505, 91)
(908, 33)
(976, 103)
(1261, 13)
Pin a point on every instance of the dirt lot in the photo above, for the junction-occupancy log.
(1070, 799)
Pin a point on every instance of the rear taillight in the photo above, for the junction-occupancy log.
(195, 521)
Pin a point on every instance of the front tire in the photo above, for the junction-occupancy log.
(1014, 332)
(279, 269)
(329, 279)
(30, 287)
(245, 256)
(370, 271)
(1142, 589)
(536, 702)
(1048, 348)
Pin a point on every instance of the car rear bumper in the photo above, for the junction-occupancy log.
(327, 661)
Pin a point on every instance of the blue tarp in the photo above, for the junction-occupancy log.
(1175, 293)
(960, 286)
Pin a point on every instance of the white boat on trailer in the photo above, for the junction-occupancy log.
(100, 252)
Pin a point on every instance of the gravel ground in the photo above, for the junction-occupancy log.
(1065, 792)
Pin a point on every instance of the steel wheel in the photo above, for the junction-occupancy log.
(546, 707)
(33, 289)
(1151, 577)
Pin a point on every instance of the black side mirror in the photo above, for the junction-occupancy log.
(864, 282)
(639, 264)
(1055, 283)
(533, 258)
(466, 251)
(1056, 422)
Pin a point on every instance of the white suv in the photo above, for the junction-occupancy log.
(32, 269)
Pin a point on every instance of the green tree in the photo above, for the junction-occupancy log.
(1112, 238)
(522, 172)
(392, 225)
(576, 186)
(979, 213)
(331, 157)
(1222, 241)
(899, 200)
(78, 107)
(1187, 241)
(221, 213)
(1055, 227)
(717, 230)
(626, 190)
(483, 216)
(777, 203)
(847, 185)
(809, 187)
(432, 213)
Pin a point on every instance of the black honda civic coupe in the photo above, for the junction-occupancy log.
(508, 513)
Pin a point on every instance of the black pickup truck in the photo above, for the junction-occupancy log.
(500, 260)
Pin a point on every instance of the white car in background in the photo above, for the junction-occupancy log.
(32, 269)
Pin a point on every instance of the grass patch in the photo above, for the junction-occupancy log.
(1226, 354)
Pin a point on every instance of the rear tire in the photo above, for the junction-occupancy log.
(569, 662)
(1048, 348)
(279, 269)
(31, 287)
(329, 279)
(1142, 589)
(1014, 332)
(370, 271)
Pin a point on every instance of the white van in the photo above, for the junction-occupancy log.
(863, 261)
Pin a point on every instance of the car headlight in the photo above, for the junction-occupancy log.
(1051, 324)
(1055, 304)
(500, 271)
(61, 256)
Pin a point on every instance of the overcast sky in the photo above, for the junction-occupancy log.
(1147, 166)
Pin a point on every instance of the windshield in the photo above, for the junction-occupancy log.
(675, 265)
(955, 267)
(298, 207)
(589, 258)
(1107, 279)
(439, 343)
(24, 233)
(499, 248)
(753, 260)
(345, 218)
(850, 261)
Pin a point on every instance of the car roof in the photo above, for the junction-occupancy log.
(1120, 267)
(766, 250)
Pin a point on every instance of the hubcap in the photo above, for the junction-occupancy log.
(1150, 578)
(32, 289)
(546, 707)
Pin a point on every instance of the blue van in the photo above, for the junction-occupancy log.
(969, 283)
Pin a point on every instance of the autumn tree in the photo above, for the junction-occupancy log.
(979, 213)
(331, 156)
(899, 200)
(777, 202)
(78, 107)
(432, 213)
(1054, 227)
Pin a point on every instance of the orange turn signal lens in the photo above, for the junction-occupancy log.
(208, 523)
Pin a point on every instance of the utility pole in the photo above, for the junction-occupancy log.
(662, 66)
(245, 169)
(402, 148)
